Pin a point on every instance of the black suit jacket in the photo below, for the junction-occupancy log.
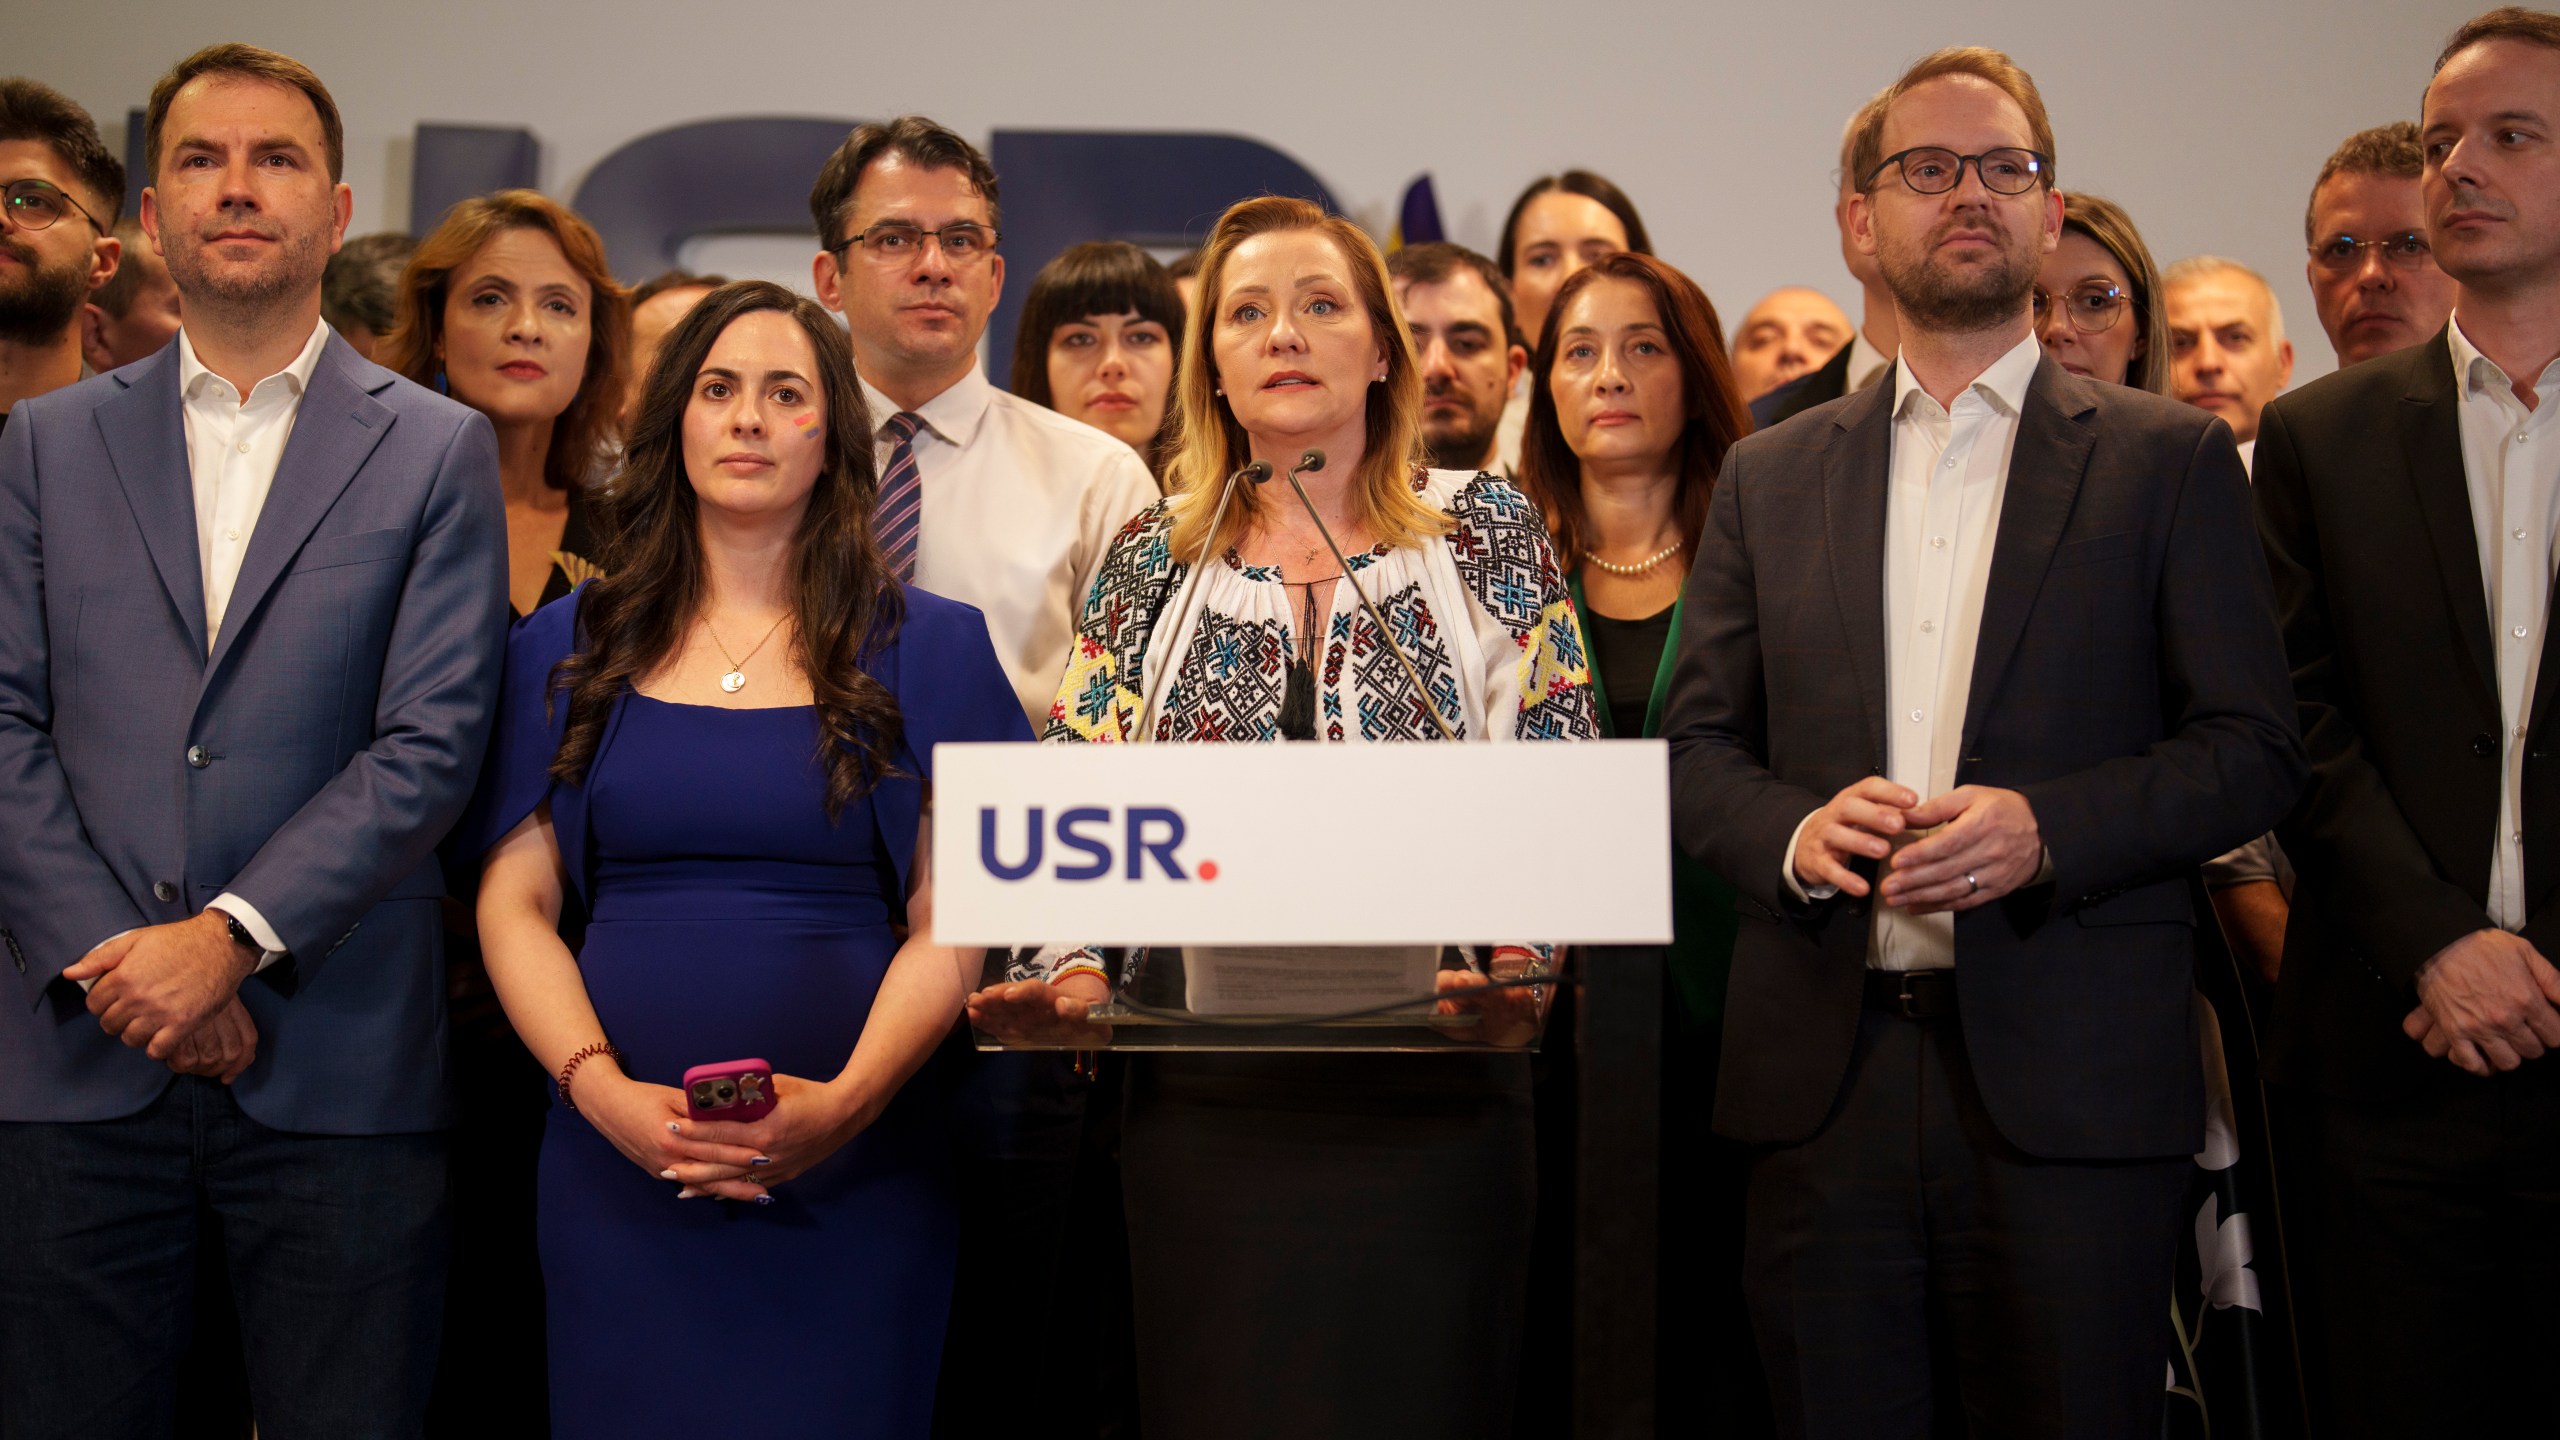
(2128, 680)
(1814, 387)
(2367, 522)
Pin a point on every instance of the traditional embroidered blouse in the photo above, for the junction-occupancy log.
(1483, 613)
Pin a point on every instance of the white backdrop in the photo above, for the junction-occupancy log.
(2206, 118)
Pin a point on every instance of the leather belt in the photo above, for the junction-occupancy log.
(1913, 994)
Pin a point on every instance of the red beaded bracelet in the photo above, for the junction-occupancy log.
(601, 1047)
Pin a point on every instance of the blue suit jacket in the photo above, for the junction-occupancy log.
(339, 721)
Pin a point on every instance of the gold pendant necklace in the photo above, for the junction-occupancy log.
(736, 679)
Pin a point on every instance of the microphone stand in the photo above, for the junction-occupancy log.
(1314, 460)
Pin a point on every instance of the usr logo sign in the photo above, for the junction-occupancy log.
(1146, 831)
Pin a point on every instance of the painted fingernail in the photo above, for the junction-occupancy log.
(687, 1193)
(761, 1160)
(667, 1174)
(764, 1199)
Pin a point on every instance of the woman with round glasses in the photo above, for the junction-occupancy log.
(2100, 274)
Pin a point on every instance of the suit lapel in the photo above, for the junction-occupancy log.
(2051, 455)
(146, 438)
(335, 430)
(2430, 422)
(1856, 477)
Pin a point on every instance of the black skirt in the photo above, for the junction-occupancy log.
(1329, 1245)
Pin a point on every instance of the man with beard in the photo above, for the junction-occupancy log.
(1992, 669)
(1459, 310)
(252, 615)
(2409, 507)
(61, 190)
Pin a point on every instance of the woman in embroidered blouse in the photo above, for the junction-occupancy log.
(1320, 1244)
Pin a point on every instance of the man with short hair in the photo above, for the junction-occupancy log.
(2374, 277)
(61, 190)
(1793, 331)
(131, 316)
(1459, 310)
(1869, 353)
(1993, 670)
(2409, 508)
(252, 615)
(2227, 350)
(1010, 506)
(657, 305)
(360, 291)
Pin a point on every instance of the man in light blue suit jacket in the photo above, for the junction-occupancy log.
(250, 637)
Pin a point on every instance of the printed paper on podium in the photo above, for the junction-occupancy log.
(1277, 980)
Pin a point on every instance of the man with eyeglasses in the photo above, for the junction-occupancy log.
(2227, 348)
(1994, 670)
(2373, 273)
(60, 192)
(2410, 508)
(1009, 506)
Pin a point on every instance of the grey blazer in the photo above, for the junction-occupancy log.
(2128, 680)
(309, 763)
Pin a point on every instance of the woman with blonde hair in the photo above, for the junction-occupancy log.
(1320, 1244)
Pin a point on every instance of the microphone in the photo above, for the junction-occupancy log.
(1308, 463)
(1259, 472)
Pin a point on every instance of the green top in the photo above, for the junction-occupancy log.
(1703, 918)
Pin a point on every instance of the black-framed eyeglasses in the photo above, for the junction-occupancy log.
(891, 241)
(2092, 306)
(1935, 170)
(36, 204)
(2339, 254)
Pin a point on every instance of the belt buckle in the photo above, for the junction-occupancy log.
(1905, 998)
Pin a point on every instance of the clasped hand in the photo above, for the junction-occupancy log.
(2487, 1003)
(1985, 846)
(650, 1125)
(173, 991)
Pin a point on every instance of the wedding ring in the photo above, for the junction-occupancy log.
(1969, 880)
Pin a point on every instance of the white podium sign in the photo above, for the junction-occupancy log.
(1471, 844)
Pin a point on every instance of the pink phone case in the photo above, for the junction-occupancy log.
(739, 1090)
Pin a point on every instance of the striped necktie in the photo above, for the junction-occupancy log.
(901, 509)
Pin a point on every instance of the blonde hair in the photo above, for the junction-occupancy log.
(1980, 62)
(1209, 444)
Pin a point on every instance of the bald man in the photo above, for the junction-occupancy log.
(1791, 332)
(2227, 351)
(1869, 354)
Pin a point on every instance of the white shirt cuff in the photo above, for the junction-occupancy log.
(1787, 869)
(270, 944)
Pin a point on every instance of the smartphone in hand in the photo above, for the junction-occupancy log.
(739, 1090)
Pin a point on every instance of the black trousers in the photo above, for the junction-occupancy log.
(2424, 1240)
(1911, 1273)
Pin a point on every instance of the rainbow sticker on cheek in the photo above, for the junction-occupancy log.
(808, 425)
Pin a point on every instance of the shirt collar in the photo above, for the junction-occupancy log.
(192, 373)
(1866, 362)
(954, 414)
(2474, 371)
(2004, 383)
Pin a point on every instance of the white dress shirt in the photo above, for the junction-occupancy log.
(2511, 465)
(1866, 364)
(233, 448)
(1948, 477)
(1019, 505)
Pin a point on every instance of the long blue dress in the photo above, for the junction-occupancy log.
(730, 919)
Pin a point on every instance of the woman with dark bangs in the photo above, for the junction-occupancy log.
(722, 747)
(1097, 344)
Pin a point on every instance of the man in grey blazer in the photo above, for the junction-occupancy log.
(1980, 666)
(252, 614)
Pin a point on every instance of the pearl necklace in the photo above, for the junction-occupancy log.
(1640, 567)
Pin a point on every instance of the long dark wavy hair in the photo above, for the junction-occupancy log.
(844, 606)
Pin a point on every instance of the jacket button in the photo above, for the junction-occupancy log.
(198, 756)
(2484, 746)
(163, 890)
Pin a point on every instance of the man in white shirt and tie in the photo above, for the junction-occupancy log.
(1991, 669)
(1009, 506)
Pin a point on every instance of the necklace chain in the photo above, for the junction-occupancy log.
(736, 679)
(1641, 566)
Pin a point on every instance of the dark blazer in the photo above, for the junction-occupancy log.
(2367, 522)
(309, 763)
(1814, 387)
(2128, 680)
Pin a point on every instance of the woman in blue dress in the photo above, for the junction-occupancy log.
(723, 748)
